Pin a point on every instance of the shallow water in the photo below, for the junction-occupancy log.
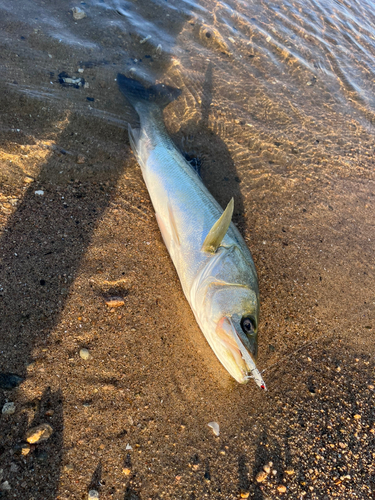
(278, 103)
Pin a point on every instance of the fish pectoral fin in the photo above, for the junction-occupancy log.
(218, 230)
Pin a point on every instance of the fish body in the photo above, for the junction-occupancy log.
(215, 267)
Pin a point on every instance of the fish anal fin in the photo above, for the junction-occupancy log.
(170, 234)
(173, 225)
(164, 231)
(218, 230)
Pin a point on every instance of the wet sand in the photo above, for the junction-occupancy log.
(304, 189)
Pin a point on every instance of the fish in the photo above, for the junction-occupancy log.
(214, 265)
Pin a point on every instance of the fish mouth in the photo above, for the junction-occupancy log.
(230, 338)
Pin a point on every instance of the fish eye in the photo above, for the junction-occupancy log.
(248, 325)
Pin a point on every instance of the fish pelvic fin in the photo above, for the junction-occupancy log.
(135, 92)
(218, 230)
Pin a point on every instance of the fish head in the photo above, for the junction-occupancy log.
(234, 312)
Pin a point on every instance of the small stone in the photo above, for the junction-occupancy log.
(80, 159)
(261, 476)
(128, 447)
(357, 417)
(25, 449)
(78, 13)
(115, 302)
(215, 427)
(84, 353)
(93, 495)
(126, 471)
(49, 413)
(28, 180)
(38, 434)
(39, 192)
(14, 467)
(5, 486)
(68, 468)
(289, 472)
(281, 488)
(245, 494)
(274, 472)
(8, 409)
(338, 369)
(267, 469)
(370, 387)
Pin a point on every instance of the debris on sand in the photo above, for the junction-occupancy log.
(84, 353)
(115, 302)
(215, 427)
(78, 13)
(8, 409)
(39, 433)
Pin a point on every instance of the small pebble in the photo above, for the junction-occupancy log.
(5, 486)
(80, 159)
(126, 471)
(115, 302)
(68, 468)
(357, 417)
(25, 449)
(38, 434)
(78, 13)
(39, 192)
(267, 469)
(261, 476)
(128, 447)
(245, 494)
(93, 495)
(281, 488)
(215, 427)
(290, 472)
(145, 39)
(8, 409)
(14, 467)
(84, 353)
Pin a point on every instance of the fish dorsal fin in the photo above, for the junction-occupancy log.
(218, 230)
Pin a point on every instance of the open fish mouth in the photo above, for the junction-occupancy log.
(232, 341)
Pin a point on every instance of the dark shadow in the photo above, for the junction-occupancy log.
(95, 483)
(41, 249)
(217, 169)
(243, 474)
(130, 494)
(44, 459)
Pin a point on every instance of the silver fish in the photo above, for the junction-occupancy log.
(215, 267)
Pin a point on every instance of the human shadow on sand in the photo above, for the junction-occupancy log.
(41, 248)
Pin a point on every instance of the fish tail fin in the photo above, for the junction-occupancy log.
(135, 92)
